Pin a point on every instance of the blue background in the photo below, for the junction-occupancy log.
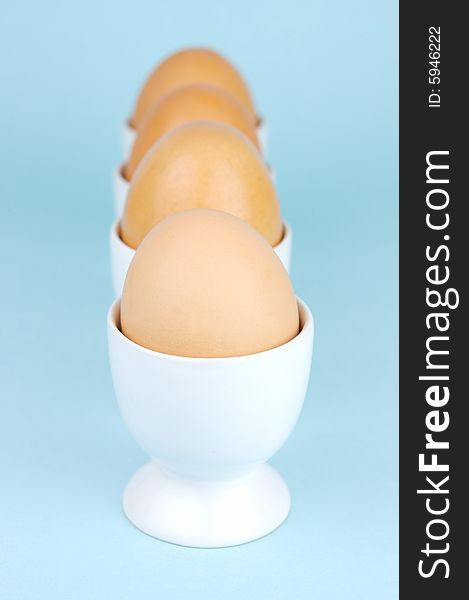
(325, 74)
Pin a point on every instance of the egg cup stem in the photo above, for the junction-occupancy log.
(206, 514)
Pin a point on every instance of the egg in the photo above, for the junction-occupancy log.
(201, 165)
(205, 284)
(191, 65)
(183, 105)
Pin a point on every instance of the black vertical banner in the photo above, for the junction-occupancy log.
(434, 268)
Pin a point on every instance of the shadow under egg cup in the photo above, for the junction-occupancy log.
(209, 426)
(128, 135)
(121, 255)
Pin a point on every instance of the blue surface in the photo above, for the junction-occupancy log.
(325, 74)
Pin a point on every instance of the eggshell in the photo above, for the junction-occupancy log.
(183, 105)
(191, 65)
(205, 165)
(205, 284)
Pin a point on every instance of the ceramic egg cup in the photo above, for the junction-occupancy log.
(209, 426)
(121, 188)
(128, 135)
(121, 255)
(262, 131)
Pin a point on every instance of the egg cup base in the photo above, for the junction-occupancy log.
(206, 514)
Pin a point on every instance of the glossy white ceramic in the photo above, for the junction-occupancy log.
(209, 426)
(120, 187)
(128, 135)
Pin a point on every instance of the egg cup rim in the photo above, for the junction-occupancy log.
(306, 327)
(259, 120)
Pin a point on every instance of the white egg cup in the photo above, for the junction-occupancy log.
(262, 131)
(121, 255)
(121, 189)
(128, 135)
(209, 426)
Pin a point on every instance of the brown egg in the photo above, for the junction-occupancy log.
(201, 165)
(192, 65)
(183, 105)
(205, 284)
